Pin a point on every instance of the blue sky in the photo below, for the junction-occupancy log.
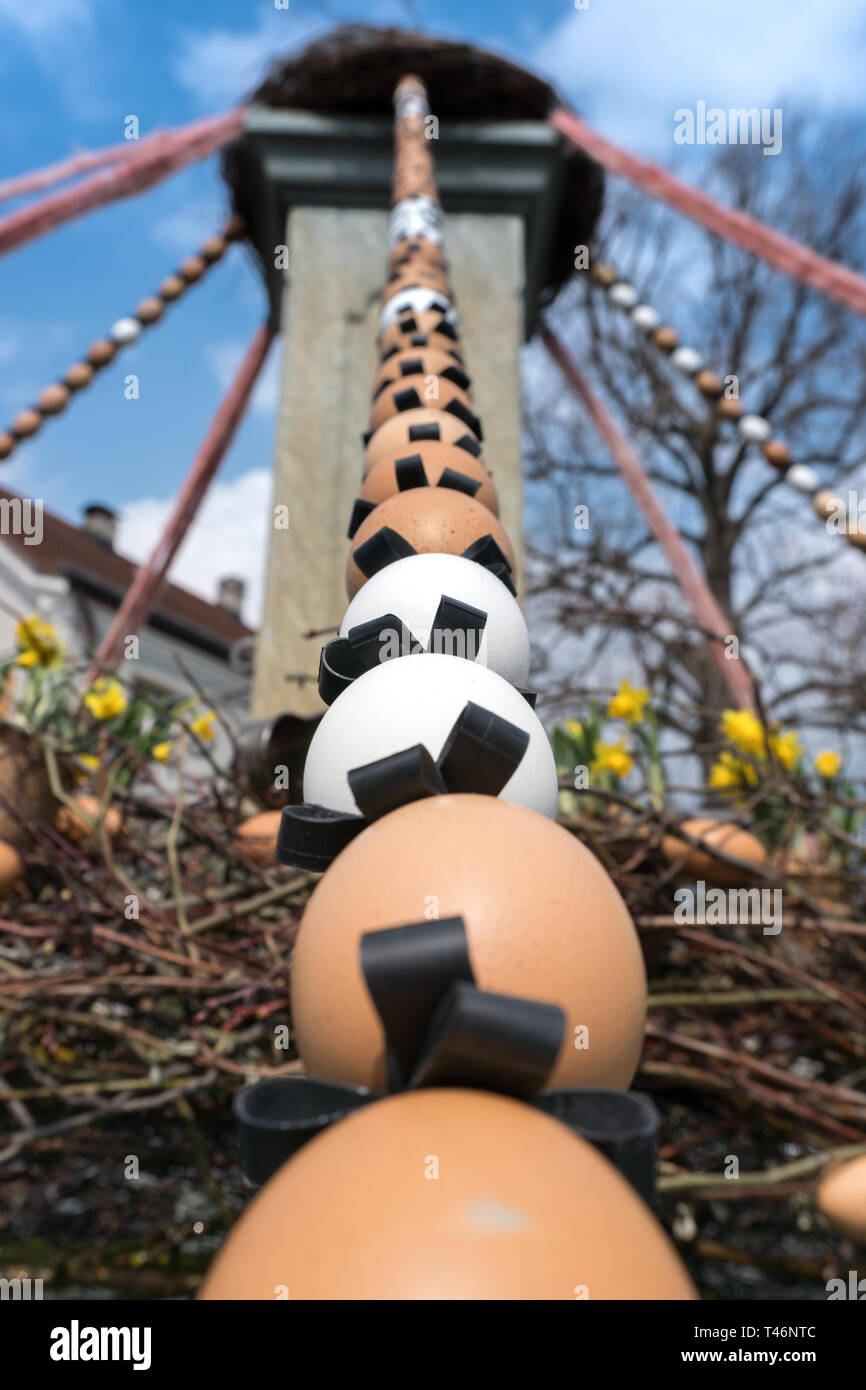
(72, 70)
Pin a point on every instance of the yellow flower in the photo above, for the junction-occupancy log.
(828, 763)
(729, 773)
(574, 728)
(745, 731)
(37, 642)
(628, 703)
(787, 748)
(106, 700)
(203, 726)
(613, 757)
(89, 760)
(162, 750)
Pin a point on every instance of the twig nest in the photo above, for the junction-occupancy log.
(74, 823)
(7, 444)
(687, 360)
(709, 384)
(150, 309)
(803, 478)
(729, 408)
(603, 273)
(100, 353)
(827, 504)
(754, 429)
(125, 331)
(666, 338)
(695, 863)
(430, 519)
(622, 295)
(11, 868)
(53, 399)
(26, 423)
(645, 317)
(193, 268)
(172, 287)
(841, 1197)
(80, 374)
(548, 924)
(777, 453)
(256, 838)
(525, 1210)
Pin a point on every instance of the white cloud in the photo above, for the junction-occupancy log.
(219, 66)
(181, 231)
(224, 359)
(629, 66)
(46, 19)
(229, 536)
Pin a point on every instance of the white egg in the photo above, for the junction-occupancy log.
(623, 295)
(803, 478)
(412, 590)
(687, 360)
(417, 699)
(644, 316)
(754, 428)
(125, 330)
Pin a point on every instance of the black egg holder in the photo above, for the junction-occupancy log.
(343, 660)
(419, 340)
(442, 1030)
(414, 366)
(430, 429)
(408, 323)
(387, 545)
(480, 754)
(410, 473)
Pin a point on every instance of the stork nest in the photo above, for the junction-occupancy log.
(354, 69)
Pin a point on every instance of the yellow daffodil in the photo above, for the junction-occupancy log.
(106, 700)
(203, 726)
(628, 703)
(828, 763)
(161, 751)
(574, 728)
(613, 757)
(745, 731)
(37, 642)
(89, 760)
(787, 748)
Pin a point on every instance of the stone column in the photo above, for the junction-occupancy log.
(329, 312)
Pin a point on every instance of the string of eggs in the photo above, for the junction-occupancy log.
(753, 429)
(125, 331)
(459, 940)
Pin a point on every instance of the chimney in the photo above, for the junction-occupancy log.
(230, 595)
(100, 522)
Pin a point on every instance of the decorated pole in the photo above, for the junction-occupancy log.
(468, 987)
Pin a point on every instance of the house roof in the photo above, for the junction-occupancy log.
(70, 551)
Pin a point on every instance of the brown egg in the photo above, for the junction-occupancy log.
(27, 422)
(214, 248)
(398, 333)
(430, 519)
(709, 384)
(234, 228)
(7, 444)
(841, 1197)
(777, 453)
(193, 268)
(666, 338)
(11, 868)
(417, 276)
(543, 921)
(100, 353)
(426, 361)
(256, 838)
(410, 427)
(448, 1195)
(75, 827)
(603, 274)
(729, 407)
(828, 504)
(414, 392)
(855, 534)
(150, 309)
(53, 399)
(694, 863)
(79, 374)
(381, 481)
(172, 287)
